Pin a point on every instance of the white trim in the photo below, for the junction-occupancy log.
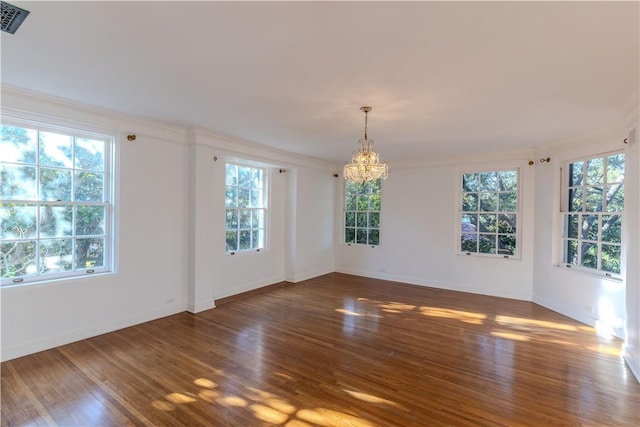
(631, 363)
(34, 346)
(201, 306)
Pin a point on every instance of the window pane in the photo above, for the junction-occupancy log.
(507, 223)
(374, 220)
(244, 218)
(231, 175)
(375, 202)
(244, 197)
(363, 202)
(257, 178)
(55, 184)
(257, 218)
(611, 228)
(89, 154)
(615, 168)
(507, 244)
(571, 226)
(256, 198)
(231, 197)
(56, 221)
(89, 253)
(17, 221)
(576, 174)
(361, 219)
(488, 202)
(232, 241)
(351, 203)
(18, 145)
(589, 227)
(18, 259)
(89, 187)
(254, 239)
(244, 176)
(508, 202)
(487, 244)
(611, 258)
(89, 220)
(594, 199)
(361, 236)
(508, 181)
(374, 237)
(595, 171)
(470, 182)
(575, 199)
(244, 240)
(55, 255)
(488, 181)
(471, 220)
(469, 242)
(55, 150)
(487, 223)
(589, 252)
(232, 219)
(615, 198)
(470, 202)
(349, 235)
(350, 219)
(17, 182)
(571, 252)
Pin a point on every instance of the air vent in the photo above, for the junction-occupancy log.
(12, 17)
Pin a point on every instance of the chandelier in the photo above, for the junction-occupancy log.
(365, 164)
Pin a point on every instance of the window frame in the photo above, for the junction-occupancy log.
(565, 213)
(368, 212)
(264, 208)
(517, 213)
(108, 202)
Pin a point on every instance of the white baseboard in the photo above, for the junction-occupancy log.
(248, 287)
(201, 306)
(439, 285)
(633, 364)
(34, 346)
(295, 278)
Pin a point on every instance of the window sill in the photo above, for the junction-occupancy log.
(588, 272)
(495, 256)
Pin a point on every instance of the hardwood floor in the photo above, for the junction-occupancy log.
(337, 350)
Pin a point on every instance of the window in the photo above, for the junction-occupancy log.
(55, 207)
(489, 217)
(246, 208)
(362, 212)
(592, 214)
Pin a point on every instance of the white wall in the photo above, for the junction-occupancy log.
(152, 237)
(170, 236)
(418, 242)
(591, 299)
(310, 223)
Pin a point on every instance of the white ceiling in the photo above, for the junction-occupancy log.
(444, 78)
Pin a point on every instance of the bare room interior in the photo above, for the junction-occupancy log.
(320, 213)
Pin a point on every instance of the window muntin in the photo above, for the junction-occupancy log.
(362, 212)
(489, 215)
(55, 203)
(593, 207)
(245, 195)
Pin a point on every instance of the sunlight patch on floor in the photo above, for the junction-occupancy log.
(510, 336)
(370, 398)
(463, 316)
(329, 418)
(521, 321)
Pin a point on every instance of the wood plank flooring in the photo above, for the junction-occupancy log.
(337, 350)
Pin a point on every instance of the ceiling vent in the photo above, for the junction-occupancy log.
(12, 17)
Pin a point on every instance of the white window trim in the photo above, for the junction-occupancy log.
(111, 183)
(564, 206)
(498, 167)
(344, 222)
(267, 170)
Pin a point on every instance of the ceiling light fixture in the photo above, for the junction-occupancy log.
(365, 164)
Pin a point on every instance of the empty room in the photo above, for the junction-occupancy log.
(320, 213)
